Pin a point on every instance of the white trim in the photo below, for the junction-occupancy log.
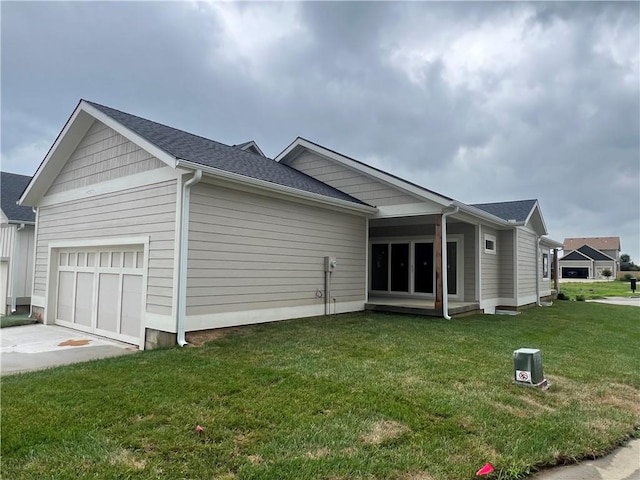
(406, 210)
(38, 301)
(366, 261)
(158, 321)
(100, 242)
(248, 317)
(141, 179)
(273, 187)
(490, 238)
(478, 262)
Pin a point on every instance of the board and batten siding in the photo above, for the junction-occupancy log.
(506, 281)
(102, 154)
(24, 261)
(527, 263)
(249, 252)
(350, 181)
(148, 210)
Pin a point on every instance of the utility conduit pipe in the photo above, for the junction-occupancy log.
(184, 256)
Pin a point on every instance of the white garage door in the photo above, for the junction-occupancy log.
(99, 290)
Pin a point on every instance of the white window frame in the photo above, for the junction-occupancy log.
(490, 238)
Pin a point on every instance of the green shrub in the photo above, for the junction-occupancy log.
(562, 296)
(626, 277)
(579, 298)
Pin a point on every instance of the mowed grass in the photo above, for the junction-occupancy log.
(591, 290)
(358, 396)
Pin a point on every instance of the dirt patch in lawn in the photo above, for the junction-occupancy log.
(384, 431)
(198, 339)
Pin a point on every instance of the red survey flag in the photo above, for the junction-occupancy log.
(488, 468)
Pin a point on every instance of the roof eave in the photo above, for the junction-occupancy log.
(274, 187)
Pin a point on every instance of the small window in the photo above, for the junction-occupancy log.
(489, 244)
(91, 260)
(64, 259)
(545, 265)
(82, 259)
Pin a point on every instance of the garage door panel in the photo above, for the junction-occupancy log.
(131, 305)
(84, 299)
(108, 289)
(64, 305)
(100, 290)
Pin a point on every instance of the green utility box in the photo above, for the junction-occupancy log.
(527, 368)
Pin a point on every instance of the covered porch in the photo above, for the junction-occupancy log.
(418, 306)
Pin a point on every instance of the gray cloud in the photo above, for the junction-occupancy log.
(479, 101)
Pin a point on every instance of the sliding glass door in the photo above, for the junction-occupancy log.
(409, 267)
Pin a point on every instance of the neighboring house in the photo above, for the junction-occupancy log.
(16, 245)
(589, 257)
(145, 233)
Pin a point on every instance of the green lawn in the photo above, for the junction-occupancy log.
(590, 290)
(15, 320)
(358, 396)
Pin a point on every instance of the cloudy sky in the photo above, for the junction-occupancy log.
(479, 101)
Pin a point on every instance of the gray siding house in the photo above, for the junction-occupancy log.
(589, 257)
(146, 233)
(17, 226)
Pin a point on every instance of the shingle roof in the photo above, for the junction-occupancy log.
(11, 187)
(600, 243)
(193, 148)
(574, 255)
(518, 210)
(593, 253)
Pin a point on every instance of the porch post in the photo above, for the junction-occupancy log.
(438, 254)
(555, 270)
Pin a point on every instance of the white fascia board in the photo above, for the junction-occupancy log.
(535, 207)
(66, 142)
(143, 143)
(22, 222)
(68, 139)
(549, 242)
(364, 169)
(406, 210)
(273, 187)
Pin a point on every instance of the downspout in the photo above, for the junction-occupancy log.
(538, 267)
(445, 290)
(14, 268)
(184, 257)
(35, 256)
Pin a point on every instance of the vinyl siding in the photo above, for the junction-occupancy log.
(527, 263)
(350, 181)
(490, 265)
(102, 155)
(506, 283)
(251, 252)
(148, 210)
(23, 282)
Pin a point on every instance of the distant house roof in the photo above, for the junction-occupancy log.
(517, 211)
(575, 255)
(11, 187)
(599, 243)
(193, 148)
(588, 253)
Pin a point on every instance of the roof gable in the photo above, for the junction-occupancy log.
(593, 253)
(575, 255)
(252, 147)
(11, 187)
(173, 146)
(517, 212)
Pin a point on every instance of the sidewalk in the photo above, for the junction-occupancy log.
(622, 464)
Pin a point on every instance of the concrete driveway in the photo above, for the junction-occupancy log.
(37, 347)
(632, 301)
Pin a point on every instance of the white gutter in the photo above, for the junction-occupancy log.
(445, 290)
(184, 257)
(14, 268)
(35, 255)
(538, 270)
(264, 185)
